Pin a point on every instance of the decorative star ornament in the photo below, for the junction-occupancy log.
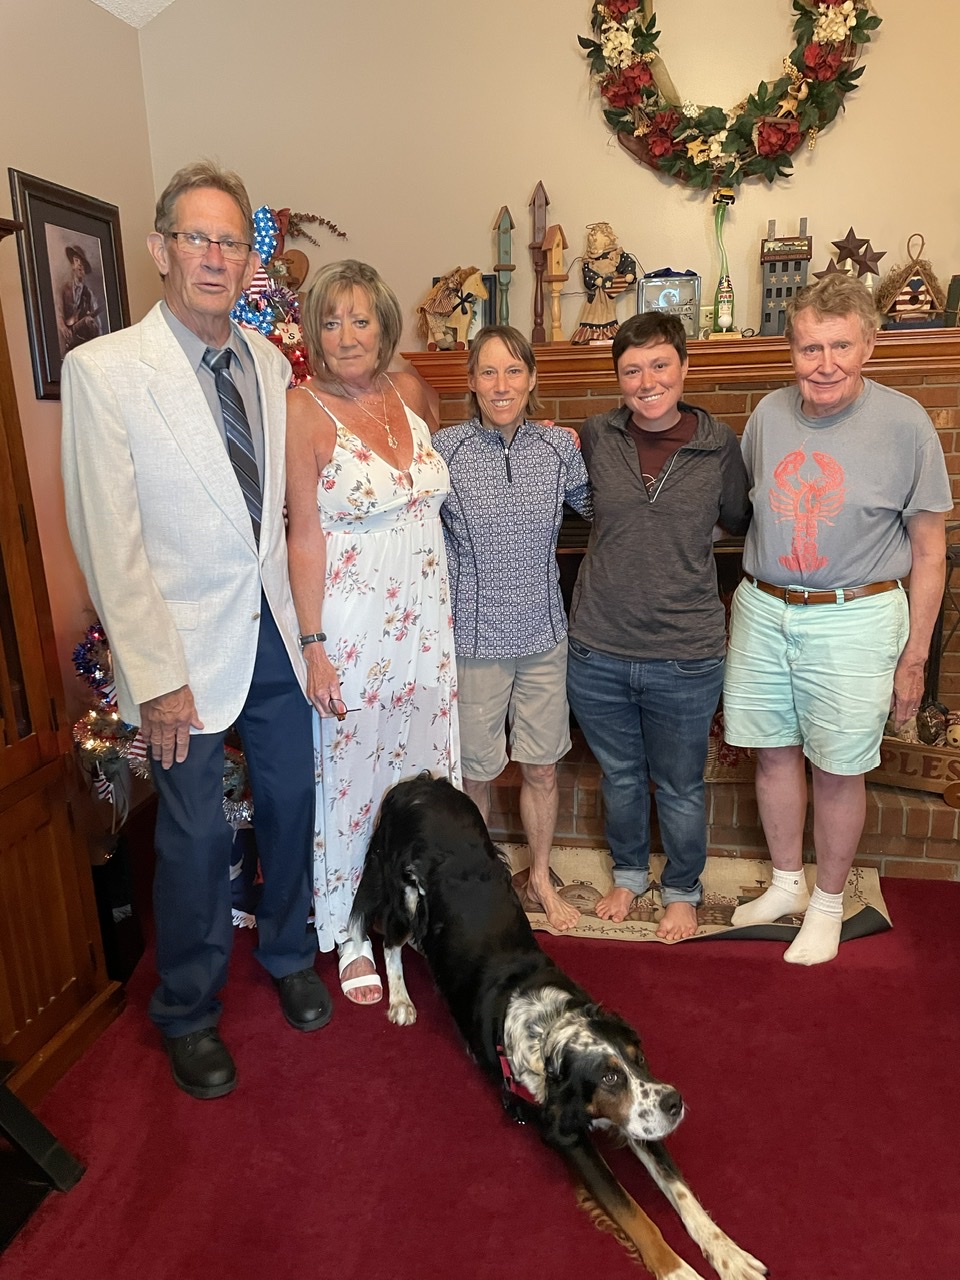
(867, 262)
(849, 248)
(833, 269)
(698, 150)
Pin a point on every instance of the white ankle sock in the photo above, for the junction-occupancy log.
(787, 896)
(819, 936)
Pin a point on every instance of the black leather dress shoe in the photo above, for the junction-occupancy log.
(305, 1001)
(201, 1063)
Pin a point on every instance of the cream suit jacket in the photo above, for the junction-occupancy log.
(159, 524)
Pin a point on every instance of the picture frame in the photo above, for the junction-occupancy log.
(71, 268)
(950, 317)
(488, 305)
(678, 295)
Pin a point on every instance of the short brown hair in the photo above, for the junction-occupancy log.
(835, 295)
(518, 347)
(193, 177)
(652, 326)
(327, 288)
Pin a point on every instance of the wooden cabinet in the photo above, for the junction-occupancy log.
(55, 996)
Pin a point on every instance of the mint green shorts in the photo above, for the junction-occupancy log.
(820, 676)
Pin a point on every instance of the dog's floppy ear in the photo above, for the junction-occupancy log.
(564, 1116)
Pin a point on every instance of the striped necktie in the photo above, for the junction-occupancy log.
(239, 439)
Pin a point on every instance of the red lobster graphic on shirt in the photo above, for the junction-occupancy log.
(806, 503)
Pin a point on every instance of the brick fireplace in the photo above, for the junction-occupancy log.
(908, 833)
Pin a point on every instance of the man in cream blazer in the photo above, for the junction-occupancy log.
(189, 577)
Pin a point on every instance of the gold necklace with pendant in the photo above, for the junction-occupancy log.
(385, 423)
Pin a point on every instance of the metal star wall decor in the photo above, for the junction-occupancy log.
(831, 270)
(848, 249)
(867, 262)
(856, 252)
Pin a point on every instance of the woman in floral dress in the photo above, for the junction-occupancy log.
(369, 581)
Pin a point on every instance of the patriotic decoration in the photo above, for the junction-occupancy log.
(110, 750)
(268, 305)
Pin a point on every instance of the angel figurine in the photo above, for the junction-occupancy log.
(607, 271)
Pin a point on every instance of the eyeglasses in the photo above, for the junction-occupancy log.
(196, 244)
(340, 710)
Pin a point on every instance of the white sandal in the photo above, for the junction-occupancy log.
(348, 952)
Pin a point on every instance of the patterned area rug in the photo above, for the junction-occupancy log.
(583, 876)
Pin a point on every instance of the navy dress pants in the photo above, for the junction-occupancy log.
(191, 889)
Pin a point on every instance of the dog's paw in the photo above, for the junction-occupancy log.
(731, 1262)
(680, 1272)
(402, 1013)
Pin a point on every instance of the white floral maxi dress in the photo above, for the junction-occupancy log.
(389, 627)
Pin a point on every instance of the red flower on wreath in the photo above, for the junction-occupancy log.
(777, 136)
(660, 141)
(618, 9)
(627, 88)
(822, 61)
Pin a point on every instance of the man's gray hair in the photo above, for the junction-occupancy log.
(836, 295)
(202, 174)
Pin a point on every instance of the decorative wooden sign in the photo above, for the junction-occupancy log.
(784, 262)
(920, 768)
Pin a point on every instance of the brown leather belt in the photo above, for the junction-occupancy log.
(799, 595)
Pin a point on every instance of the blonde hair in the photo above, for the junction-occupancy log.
(328, 287)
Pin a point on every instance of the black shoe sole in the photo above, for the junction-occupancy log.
(313, 1025)
(204, 1091)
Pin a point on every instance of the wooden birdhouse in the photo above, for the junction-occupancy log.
(911, 296)
(784, 262)
(554, 243)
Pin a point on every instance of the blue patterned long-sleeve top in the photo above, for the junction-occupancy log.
(501, 521)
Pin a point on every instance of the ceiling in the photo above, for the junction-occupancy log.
(136, 13)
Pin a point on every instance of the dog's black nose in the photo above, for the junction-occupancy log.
(671, 1104)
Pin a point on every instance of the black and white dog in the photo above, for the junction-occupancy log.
(434, 878)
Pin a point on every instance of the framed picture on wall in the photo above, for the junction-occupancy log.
(71, 265)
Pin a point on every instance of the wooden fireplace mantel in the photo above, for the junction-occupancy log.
(909, 357)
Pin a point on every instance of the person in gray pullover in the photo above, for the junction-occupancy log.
(647, 631)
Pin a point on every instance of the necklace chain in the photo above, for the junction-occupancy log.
(384, 424)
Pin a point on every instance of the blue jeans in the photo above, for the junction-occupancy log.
(646, 720)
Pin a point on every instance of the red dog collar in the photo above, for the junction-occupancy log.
(510, 1083)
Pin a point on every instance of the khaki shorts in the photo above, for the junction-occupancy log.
(529, 694)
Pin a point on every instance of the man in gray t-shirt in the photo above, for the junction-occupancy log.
(848, 486)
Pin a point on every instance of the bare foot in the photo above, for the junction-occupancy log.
(362, 993)
(560, 914)
(615, 904)
(679, 921)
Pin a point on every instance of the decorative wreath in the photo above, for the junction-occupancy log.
(708, 146)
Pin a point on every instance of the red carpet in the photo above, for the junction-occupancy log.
(822, 1132)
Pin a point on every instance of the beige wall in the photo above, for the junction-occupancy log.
(72, 112)
(410, 123)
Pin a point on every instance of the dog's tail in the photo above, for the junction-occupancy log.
(613, 1209)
